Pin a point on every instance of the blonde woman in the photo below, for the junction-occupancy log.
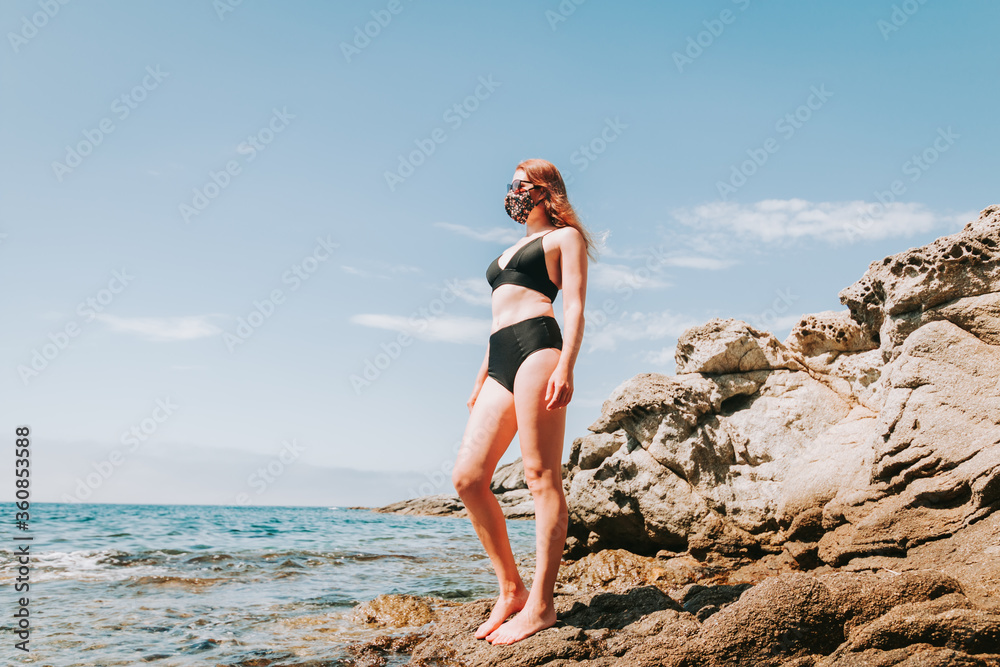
(523, 386)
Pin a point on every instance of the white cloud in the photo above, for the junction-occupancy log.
(775, 220)
(704, 263)
(475, 291)
(163, 329)
(446, 328)
(391, 268)
(354, 271)
(612, 276)
(502, 235)
(637, 326)
(404, 268)
(663, 358)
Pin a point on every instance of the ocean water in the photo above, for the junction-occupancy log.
(200, 585)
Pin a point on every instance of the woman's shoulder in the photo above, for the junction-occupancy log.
(566, 236)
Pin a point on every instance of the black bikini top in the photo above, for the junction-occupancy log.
(526, 268)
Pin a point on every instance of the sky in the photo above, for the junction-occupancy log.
(243, 244)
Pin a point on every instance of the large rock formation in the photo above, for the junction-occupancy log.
(865, 434)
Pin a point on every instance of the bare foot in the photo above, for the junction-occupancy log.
(505, 606)
(525, 624)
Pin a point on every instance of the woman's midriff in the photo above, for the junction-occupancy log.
(513, 303)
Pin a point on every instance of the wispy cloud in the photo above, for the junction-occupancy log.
(639, 326)
(502, 235)
(611, 276)
(663, 358)
(703, 263)
(776, 220)
(380, 270)
(446, 328)
(163, 329)
(403, 268)
(354, 271)
(475, 291)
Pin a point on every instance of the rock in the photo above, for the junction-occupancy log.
(926, 482)
(712, 460)
(782, 618)
(618, 570)
(442, 504)
(946, 623)
(588, 626)
(829, 331)
(730, 346)
(863, 597)
(703, 601)
(589, 451)
(373, 653)
(753, 434)
(394, 611)
(509, 477)
(890, 299)
(794, 619)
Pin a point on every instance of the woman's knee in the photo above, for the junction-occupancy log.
(543, 480)
(465, 480)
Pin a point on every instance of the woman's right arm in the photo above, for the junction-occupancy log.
(480, 379)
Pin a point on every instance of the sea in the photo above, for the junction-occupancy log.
(246, 586)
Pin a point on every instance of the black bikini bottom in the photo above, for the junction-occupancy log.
(510, 346)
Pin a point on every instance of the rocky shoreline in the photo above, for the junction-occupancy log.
(827, 500)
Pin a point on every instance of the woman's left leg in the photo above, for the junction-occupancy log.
(541, 433)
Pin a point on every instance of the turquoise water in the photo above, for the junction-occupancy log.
(209, 585)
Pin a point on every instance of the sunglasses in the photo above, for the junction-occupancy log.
(517, 184)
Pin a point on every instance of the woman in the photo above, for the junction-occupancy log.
(524, 385)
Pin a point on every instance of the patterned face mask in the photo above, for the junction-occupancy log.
(518, 205)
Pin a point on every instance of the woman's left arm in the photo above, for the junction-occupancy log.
(573, 265)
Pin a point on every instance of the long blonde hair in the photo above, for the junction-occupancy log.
(557, 206)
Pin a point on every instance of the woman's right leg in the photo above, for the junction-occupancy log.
(488, 433)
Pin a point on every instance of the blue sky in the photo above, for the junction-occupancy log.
(216, 214)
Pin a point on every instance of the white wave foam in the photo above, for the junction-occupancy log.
(77, 565)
